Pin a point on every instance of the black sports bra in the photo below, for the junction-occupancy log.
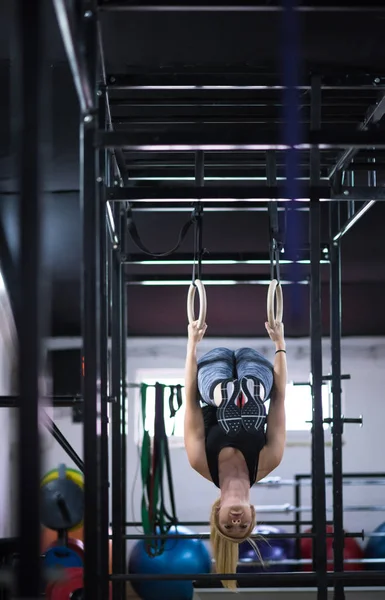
(216, 439)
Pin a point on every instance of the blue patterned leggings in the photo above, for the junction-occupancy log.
(223, 364)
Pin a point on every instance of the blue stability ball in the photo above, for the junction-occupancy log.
(61, 556)
(179, 556)
(375, 548)
(271, 549)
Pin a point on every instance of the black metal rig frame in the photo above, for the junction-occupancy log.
(326, 150)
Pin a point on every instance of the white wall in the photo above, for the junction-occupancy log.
(364, 448)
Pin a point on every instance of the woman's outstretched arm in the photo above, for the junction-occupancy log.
(276, 419)
(194, 430)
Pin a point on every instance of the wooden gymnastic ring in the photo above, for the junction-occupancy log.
(202, 303)
(274, 289)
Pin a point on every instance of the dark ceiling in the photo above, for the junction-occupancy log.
(171, 48)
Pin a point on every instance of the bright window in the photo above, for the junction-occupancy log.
(298, 402)
(298, 405)
(174, 426)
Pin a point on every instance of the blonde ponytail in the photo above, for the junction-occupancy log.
(225, 548)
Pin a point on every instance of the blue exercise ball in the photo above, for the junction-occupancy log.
(178, 556)
(271, 549)
(375, 548)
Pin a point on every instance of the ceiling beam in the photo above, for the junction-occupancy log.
(251, 193)
(231, 137)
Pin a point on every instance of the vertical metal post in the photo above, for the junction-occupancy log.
(350, 183)
(199, 168)
(30, 308)
(318, 454)
(298, 514)
(104, 308)
(123, 306)
(116, 372)
(372, 175)
(337, 428)
(90, 200)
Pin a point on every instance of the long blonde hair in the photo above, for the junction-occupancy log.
(225, 548)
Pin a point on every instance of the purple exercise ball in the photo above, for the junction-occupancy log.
(271, 549)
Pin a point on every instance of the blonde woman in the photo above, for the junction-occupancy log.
(231, 441)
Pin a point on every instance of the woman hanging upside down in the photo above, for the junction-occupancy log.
(232, 441)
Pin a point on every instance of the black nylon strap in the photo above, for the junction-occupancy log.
(138, 242)
(198, 243)
(175, 392)
(276, 240)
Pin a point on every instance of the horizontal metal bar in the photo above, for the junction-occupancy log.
(274, 523)
(211, 192)
(249, 193)
(206, 536)
(244, 6)
(210, 206)
(75, 57)
(252, 79)
(56, 401)
(220, 258)
(173, 280)
(354, 218)
(358, 475)
(353, 578)
(213, 137)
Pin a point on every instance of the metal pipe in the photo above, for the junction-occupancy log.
(57, 401)
(219, 194)
(104, 309)
(123, 377)
(32, 303)
(217, 207)
(358, 578)
(212, 137)
(219, 258)
(274, 523)
(349, 176)
(199, 169)
(226, 279)
(222, 6)
(372, 175)
(353, 219)
(116, 391)
(70, 36)
(62, 441)
(337, 426)
(89, 200)
(237, 196)
(297, 515)
(318, 455)
(357, 475)
(206, 536)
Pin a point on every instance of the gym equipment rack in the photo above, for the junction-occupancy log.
(106, 192)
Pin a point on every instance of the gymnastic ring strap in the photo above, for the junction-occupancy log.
(275, 289)
(202, 303)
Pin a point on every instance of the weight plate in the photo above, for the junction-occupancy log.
(75, 476)
(62, 504)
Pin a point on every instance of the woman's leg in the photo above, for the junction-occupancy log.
(252, 364)
(214, 367)
(219, 387)
(255, 373)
